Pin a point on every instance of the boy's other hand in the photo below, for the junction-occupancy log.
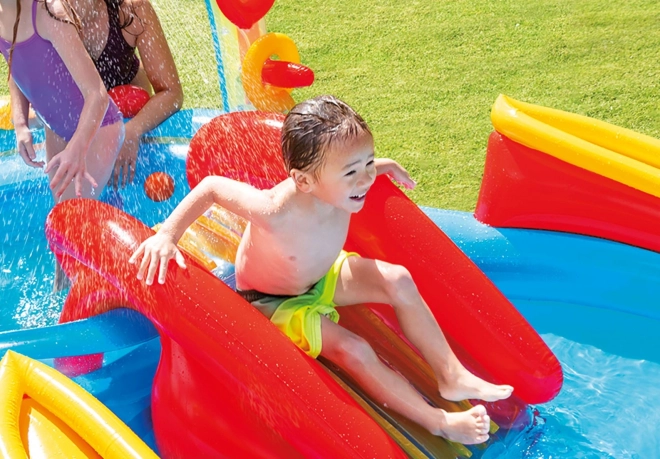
(396, 171)
(156, 252)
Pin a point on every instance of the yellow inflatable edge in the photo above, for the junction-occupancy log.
(617, 153)
(77, 408)
(263, 96)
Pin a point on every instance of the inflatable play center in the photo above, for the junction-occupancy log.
(558, 263)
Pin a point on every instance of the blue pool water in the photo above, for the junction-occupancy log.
(27, 264)
(607, 341)
(608, 408)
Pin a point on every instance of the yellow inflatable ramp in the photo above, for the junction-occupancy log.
(46, 415)
(617, 153)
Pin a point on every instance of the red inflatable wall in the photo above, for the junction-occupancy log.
(229, 384)
(525, 188)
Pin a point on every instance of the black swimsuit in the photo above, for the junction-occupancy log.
(118, 63)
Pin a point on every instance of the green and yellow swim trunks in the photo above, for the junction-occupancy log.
(299, 317)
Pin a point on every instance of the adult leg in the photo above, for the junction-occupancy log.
(358, 359)
(373, 281)
(54, 145)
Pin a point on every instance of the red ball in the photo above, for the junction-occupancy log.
(159, 186)
(129, 99)
(244, 13)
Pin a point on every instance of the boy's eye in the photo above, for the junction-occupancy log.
(350, 173)
(370, 163)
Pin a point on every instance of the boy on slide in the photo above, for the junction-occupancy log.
(291, 266)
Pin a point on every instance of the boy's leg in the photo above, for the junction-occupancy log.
(373, 281)
(357, 358)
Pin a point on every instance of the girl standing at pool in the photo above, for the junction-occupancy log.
(50, 69)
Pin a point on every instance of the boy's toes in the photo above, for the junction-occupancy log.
(479, 411)
(507, 390)
(481, 439)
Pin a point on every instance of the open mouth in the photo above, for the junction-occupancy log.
(359, 197)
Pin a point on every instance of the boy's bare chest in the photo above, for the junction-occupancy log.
(312, 245)
(315, 238)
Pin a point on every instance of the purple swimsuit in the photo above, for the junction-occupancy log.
(40, 74)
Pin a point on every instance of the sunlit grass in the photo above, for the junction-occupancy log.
(425, 73)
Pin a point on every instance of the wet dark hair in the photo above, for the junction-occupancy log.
(71, 15)
(13, 37)
(126, 16)
(315, 124)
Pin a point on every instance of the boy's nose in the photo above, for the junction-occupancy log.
(367, 179)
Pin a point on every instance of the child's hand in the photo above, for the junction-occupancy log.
(158, 249)
(26, 148)
(395, 171)
(70, 167)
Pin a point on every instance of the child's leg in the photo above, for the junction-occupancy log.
(357, 358)
(372, 281)
(100, 158)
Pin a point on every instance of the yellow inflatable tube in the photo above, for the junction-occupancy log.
(265, 97)
(613, 152)
(222, 232)
(5, 114)
(36, 398)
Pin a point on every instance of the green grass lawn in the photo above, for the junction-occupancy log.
(424, 74)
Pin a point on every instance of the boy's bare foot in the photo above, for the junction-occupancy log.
(467, 427)
(466, 386)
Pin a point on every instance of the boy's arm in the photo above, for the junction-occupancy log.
(242, 199)
(395, 171)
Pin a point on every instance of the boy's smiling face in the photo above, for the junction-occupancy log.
(347, 173)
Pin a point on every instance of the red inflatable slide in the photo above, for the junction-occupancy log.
(229, 383)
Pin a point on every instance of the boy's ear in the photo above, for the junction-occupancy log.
(304, 180)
